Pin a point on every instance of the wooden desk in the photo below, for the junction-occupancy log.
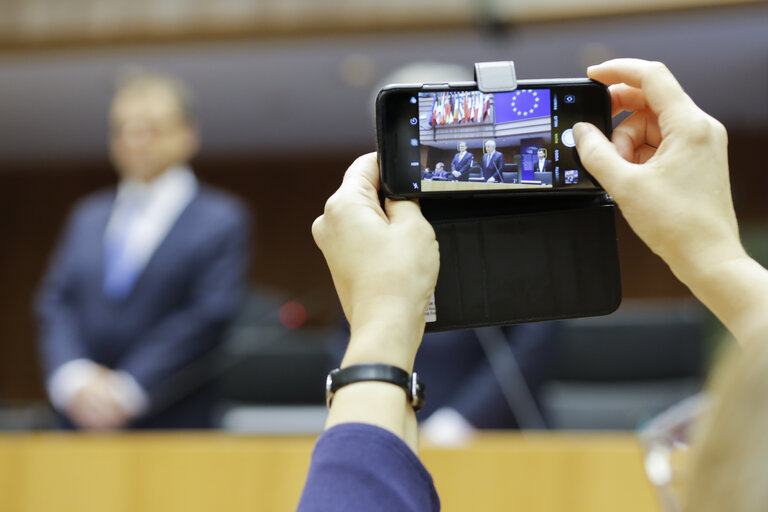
(218, 472)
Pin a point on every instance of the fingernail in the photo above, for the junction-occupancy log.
(580, 130)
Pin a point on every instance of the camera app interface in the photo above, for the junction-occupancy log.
(522, 139)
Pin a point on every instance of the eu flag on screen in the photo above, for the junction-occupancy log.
(521, 104)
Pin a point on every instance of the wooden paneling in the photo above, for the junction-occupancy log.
(31, 23)
(196, 472)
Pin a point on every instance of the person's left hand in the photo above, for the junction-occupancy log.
(95, 406)
(384, 265)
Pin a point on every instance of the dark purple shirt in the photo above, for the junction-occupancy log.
(357, 467)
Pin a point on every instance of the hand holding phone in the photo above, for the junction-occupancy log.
(667, 167)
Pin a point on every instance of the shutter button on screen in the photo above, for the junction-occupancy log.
(567, 138)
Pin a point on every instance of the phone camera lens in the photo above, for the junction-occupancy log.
(414, 121)
(570, 98)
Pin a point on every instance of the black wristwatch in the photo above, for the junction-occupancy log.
(340, 377)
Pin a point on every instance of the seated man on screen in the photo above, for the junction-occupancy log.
(426, 174)
(440, 172)
(542, 164)
(492, 163)
(461, 163)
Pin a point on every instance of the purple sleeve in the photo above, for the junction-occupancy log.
(362, 467)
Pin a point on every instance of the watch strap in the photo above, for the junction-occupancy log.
(340, 377)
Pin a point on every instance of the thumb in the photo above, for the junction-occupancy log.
(599, 156)
(402, 210)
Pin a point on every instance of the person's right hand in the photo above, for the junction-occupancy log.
(667, 167)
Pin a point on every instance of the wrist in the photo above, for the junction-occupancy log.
(385, 330)
(700, 263)
(382, 342)
(375, 372)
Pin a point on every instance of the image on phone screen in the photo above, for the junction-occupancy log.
(459, 141)
(471, 139)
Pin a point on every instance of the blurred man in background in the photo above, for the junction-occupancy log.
(146, 278)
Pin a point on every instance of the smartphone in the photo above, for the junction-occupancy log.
(452, 139)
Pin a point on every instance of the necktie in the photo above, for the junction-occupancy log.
(120, 271)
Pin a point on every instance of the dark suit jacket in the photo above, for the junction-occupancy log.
(179, 306)
(462, 165)
(456, 370)
(547, 166)
(493, 168)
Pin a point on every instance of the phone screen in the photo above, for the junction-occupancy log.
(466, 141)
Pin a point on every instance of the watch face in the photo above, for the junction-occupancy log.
(329, 387)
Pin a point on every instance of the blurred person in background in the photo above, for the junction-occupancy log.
(145, 278)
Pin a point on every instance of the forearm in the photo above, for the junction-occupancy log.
(375, 403)
(734, 288)
(380, 340)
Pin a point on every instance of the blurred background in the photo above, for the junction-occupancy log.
(285, 100)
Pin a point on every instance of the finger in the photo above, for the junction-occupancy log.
(643, 154)
(625, 98)
(318, 230)
(402, 210)
(364, 172)
(635, 132)
(600, 157)
(662, 91)
(359, 189)
(94, 410)
(360, 186)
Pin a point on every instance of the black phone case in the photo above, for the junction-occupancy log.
(525, 259)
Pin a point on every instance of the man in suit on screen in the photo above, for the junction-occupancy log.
(461, 163)
(492, 163)
(542, 164)
(145, 278)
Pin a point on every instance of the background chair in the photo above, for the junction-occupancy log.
(616, 371)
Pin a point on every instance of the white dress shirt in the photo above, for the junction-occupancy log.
(161, 202)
